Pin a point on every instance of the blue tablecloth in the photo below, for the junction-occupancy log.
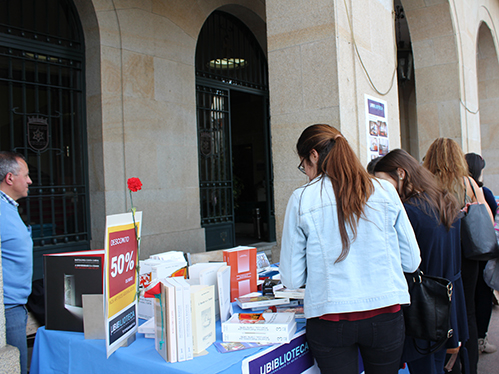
(69, 353)
(63, 352)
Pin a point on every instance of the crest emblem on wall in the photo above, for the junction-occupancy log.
(206, 143)
(38, 133)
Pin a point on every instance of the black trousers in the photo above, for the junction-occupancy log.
(469, 274)
(336, 345)
(483, 302)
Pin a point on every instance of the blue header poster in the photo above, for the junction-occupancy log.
(377, 127)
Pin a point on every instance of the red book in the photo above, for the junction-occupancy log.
(243, 274)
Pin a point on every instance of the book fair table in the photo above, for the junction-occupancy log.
(69, 353)
(65, 352)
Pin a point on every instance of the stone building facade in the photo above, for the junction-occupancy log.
(433, 62)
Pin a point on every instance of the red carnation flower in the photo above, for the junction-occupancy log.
(134, 184)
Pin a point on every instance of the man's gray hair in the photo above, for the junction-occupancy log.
(9, 163)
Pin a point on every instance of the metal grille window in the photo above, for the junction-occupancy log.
(42, 117)
(228, 53)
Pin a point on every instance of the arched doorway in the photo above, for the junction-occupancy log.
(42, 116)
(488, 98)
(235, 172)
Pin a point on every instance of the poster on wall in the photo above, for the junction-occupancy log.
(377, 127)
(120, 301)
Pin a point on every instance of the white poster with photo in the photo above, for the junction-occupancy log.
(377, 127)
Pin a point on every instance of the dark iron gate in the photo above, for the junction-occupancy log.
(42, 117)
(215, 174)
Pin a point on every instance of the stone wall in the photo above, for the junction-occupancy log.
(316, 77)
(142, 112)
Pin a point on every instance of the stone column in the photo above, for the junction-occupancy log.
(316, 77)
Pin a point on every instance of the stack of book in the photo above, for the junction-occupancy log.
(184, 318)
(158, 266)
(259, 301)
(296, 300)
(282, 292)
(270, 328)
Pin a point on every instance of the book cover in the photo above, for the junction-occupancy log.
(236, 346)
(203, 317)
(223, 286)
(160, 322)
(196, 269)
(165, 321)
(171, 325)
(179, 316)
(260, 301)
(242, 261)
(281, 291)
(151, 270)
(187, 316)
(260, 337)
(296, 309)
(68, 276)
(208, 277)
(271, 323)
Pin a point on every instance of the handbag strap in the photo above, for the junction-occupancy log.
(432, 348)
(472, 188)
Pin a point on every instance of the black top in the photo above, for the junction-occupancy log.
(441, 257)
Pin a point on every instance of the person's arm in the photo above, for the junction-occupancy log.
(410, 254)
(479, 198)
(491, 200)
(293, 261)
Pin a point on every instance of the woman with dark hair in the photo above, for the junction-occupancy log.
(483, 293)
(445, 159)
(433, 214)
(347, 237)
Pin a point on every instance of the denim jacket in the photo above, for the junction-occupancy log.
(372, 274)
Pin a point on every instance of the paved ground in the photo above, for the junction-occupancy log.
(488, 363)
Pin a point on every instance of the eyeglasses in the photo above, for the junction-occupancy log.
(301, 168)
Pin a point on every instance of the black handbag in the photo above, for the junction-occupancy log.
(478, 237)
(428, 315)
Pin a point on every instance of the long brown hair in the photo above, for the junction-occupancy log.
(445, 159)
(419, 182)
(352, 184)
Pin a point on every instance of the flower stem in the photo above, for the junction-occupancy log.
(137, 267)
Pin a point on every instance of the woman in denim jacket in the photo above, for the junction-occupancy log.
(347, 237)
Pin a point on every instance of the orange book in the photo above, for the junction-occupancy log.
(243, 274)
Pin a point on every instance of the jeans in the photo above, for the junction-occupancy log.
(15, 323)
(336, 345)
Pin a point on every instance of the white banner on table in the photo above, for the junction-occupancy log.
(292, 358)
(120, 301)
